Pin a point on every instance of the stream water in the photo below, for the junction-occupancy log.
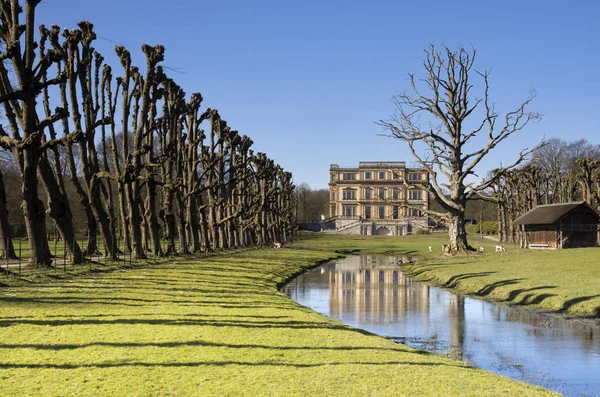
(370, 292)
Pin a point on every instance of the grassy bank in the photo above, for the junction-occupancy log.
(564, 281)
(217, 326)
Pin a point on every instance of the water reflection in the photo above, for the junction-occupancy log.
(368, 287)
(372, 293)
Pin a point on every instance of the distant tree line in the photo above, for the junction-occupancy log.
(311, 203)
(558, 172)
(141, 161)
(475, 210)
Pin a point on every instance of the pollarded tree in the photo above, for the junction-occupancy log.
(446, 101)
(31, 64)
(589, 170)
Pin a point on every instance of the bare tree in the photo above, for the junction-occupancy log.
(28, 142)
(446, 101)
(587, 175)
(212, 191)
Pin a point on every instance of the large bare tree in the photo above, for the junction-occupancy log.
(446, 147)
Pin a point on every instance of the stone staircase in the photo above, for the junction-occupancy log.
(349, 228)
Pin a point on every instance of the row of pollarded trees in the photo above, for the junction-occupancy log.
(559, 172)
(132, 146)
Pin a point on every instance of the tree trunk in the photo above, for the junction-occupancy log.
(135, 223)
(457, 234)
(60, 210)
(34, 212)
(501, 220)
(152, 218)
(169, 220)
(125, 219)
(181, 228)
(8, 250)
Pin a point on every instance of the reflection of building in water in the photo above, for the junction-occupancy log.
(374, 287)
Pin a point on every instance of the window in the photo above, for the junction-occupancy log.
(333, 177)
(348, 176)
(381, 212)
(414, 195)
(396, 194)
(414, 212)
(395, 212)
(382, 193)
(332, 196)
(414, 177)
(368, 193)
(367, 276)
(396, 175)
(368, 175)
(349, 194)
(381, 175)
(368, 212)
(381, 276)
(349, 210)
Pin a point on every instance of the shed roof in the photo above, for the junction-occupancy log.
(550, 213)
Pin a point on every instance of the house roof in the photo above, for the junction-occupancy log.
(550, 213)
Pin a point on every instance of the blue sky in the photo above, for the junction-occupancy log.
(307, 80)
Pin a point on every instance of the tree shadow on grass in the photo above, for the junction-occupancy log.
(514, 293)
(227, 363)
(534, 299)
(199, 343)
(168, 300)
(454, 281)
(571, 302)
(488, 289)
(237, 323)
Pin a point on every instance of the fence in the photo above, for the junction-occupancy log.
(62, 262)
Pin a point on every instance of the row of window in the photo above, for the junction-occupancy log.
(350, 194)
(350, 277)
(380, 174)
(350, 211)
(369, 175)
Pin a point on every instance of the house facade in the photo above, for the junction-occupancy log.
(378, 198)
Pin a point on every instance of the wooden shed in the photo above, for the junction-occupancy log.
(556, 226)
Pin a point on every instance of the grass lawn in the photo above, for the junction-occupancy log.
(566, 281)
(215, 326)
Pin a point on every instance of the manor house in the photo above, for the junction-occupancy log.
(378, 198)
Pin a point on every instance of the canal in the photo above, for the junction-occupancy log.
(370, 292)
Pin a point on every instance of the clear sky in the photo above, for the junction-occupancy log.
(306, 80)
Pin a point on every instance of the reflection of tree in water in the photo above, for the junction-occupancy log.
(587, 332)
(456, 317)
(373, 288)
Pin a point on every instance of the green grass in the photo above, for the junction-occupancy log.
(15, 272)
(216, 326)
(385, 245)
(563, 281)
